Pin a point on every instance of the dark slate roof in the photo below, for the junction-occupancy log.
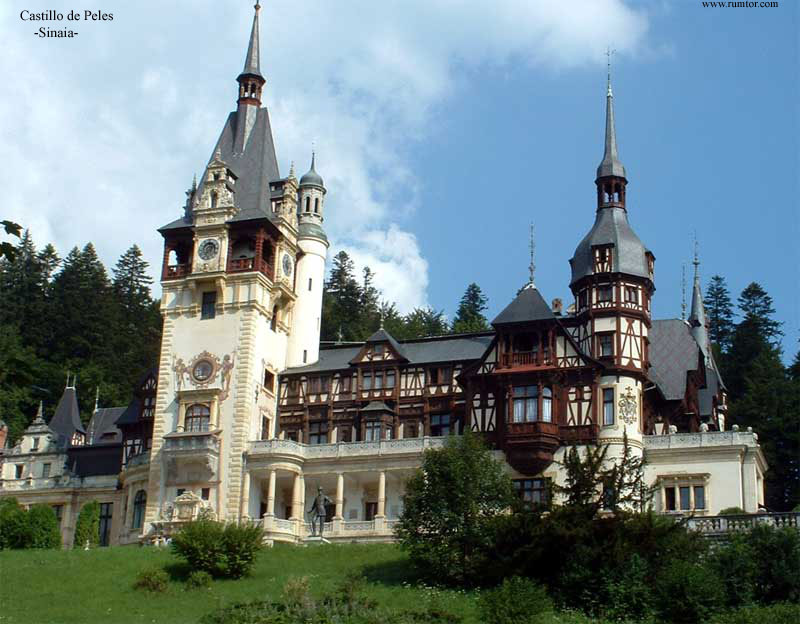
(94, 461)
(611, 227)
(673, 353)
(457, 348)
(376, 406)
(705, 396)
(252, 61)
(102, 426)
(528, 305)
(130, 415)
(311, 230)
(67, 419)
(312, 178)
(384, 336)
(611, 165)
(255, 167)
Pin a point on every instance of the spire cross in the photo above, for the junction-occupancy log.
(683, 291)
(696, 261)
(609, 52)
(532, 265)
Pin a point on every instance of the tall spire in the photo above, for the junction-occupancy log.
(252, 62)
(611, 165)
(697, 318)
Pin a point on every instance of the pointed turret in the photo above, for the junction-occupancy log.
(697, 317)
(250, 82)
(611, 165)
(252, 62)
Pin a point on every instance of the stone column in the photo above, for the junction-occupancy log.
(244, 504)
(127, 521)
(297, 504)
(181, 417)
(271, 492)
(339, 496)
(214, 424)
(381, 495)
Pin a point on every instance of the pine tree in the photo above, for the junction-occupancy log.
(423, 322)
(131, 281)
(7, 251)
(624, 485)
(756, 305)
(720, 313)
(341, 301)
(469, 317)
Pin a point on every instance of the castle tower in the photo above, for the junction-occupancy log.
(313, 244)
(612, 281)
(230, 291)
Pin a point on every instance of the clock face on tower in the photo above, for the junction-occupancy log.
(287, 265)
(208, 249)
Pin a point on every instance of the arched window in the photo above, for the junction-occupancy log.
(316, 205)
(547, 404)
(308, 204)
(139, 503)
(198, 418)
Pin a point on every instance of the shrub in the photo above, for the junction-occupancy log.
(516, 601)
(42, 528)
(152, 580)
(781, 613)
(734, 564)
(219, 549)
(627, 593)
(13, 524)
(732, 511)
(688, 592)
(199, 579)
(87, 528)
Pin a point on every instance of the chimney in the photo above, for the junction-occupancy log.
(557, 305)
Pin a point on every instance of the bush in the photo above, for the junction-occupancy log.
(13, 524)
(627, 592)
(87, 528)
(781, 613)
(222, 550)
(516, 601)
(42, 528)
(732, 511)
(199, 579)
(152, 580)
(688, 592)
(734, 564)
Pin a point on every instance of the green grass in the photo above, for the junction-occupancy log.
(65, 587)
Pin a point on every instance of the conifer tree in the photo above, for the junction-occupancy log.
(7, 250)
(131, 281)
(422, 322)
(470, 317)
(720, 313)
(756, 305)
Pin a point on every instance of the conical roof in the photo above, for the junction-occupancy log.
(528, 305)
(610, 165)
(312, 178)
(252, 62)
(67, 419)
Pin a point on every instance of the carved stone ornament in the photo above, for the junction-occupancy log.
(203, 369)
(629, 407)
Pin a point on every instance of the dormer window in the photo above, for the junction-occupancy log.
(216, 176)
(631, 294)
(213, 200)
(602, 259)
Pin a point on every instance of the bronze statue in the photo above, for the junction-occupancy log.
(318, 511)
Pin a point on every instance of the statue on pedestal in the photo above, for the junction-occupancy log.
(318, 511)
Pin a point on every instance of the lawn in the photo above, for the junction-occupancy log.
(65, 587)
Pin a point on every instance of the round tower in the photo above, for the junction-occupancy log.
(313, 245)
(612, 281)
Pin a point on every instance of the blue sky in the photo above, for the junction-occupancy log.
(442, 131)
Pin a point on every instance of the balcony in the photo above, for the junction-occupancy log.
(192, 442)
(721, 526)
(174, 271)
(243, 265)
(283, 448)
(579, 434)
(296, 531)
(526, 359)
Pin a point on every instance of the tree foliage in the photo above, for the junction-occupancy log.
(469, 316)
(448, 507)
(87, 527)
(719, 311)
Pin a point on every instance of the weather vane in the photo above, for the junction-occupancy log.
(609, 52)
(532, 266)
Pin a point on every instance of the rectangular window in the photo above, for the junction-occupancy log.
(269, 381)
(35, 443)
(305, 356)
(389, 379)
(699, 497)
(179, 492)
(18, 471)
(440, 424)
(440, 375)
(366, 381)
(533, 492)
(685, 498)
(605, 294)
(372, 431)
(605, 345)
(344, 384)
(631, 294)
(106, 512)
(669, 502)
(526, 404)
(608, 406)
(582, 299)
(59, 511)
(309, 283)
(205, 493)
(370, 511)
(318, 432)
(45, 471)
(609, 497)
(209, 307)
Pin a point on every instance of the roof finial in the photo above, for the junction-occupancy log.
(696, 261)
(609, 52)
(96, 397)
(252, 62)
(382, 313)
(291, 170)
(339, 335)
(532, 265)
(611, 165)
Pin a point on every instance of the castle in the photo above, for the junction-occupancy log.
(245, 415)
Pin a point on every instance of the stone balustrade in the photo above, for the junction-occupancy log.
(344, 449)
(295, 531)
(722, 525)
(701, 439)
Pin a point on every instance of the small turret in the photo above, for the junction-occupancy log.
(311, 203)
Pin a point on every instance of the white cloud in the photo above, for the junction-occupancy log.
(102, 133)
